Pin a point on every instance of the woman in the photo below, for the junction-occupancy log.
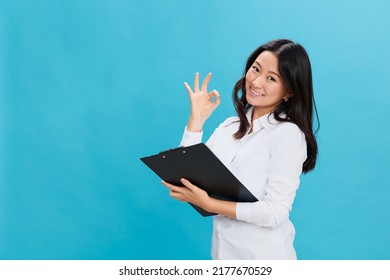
(266, 147)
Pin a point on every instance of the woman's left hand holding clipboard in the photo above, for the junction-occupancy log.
(189, 193)
(195, 195)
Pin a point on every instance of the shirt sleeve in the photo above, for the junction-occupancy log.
(191, 138)
(285, 167)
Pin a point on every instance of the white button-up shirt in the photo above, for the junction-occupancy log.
(268, 162)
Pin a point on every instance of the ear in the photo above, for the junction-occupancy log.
(287, 96)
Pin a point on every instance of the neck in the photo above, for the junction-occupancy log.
(259, 113)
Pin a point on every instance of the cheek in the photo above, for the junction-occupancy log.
(277, 91)
(248, 78)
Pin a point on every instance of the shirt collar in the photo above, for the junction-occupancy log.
(265, 121)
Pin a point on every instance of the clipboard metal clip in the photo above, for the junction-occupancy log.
(173, 149)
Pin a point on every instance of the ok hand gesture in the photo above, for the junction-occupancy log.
(202, 104)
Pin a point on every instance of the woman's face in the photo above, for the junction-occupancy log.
(264, 87)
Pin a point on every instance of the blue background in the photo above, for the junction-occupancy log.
(88, 87)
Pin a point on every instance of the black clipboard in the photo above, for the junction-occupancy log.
(201, 167)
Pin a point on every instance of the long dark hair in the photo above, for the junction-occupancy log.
(295, 70)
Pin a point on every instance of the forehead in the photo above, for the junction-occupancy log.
(268, 59)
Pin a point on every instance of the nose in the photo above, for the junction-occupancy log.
(258, 82)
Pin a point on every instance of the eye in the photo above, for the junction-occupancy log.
(255, 68)
(271, 78)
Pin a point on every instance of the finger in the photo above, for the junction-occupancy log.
(188, 184)
(189, 90)
(214, 93)
(217, 100)
(178, 196)
(172, 187)
(196, 82)
(206, 82)
(174, 194)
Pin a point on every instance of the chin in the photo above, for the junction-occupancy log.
(251, 101)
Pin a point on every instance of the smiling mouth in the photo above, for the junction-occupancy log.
(256, 93)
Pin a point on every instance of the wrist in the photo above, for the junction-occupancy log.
(209, 205)
(194, 125)
(221, 207)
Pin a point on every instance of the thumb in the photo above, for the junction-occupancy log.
(188, 184)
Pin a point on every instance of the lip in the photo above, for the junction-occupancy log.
(256, 93)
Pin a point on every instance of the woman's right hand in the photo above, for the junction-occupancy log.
(202, 105)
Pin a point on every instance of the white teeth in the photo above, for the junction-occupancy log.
(257, 93)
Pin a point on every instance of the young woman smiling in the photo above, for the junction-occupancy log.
(266, 146)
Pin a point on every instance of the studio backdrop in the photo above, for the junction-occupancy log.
(88, 87)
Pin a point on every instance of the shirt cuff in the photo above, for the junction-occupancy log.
(243, 211)
(258, 213)
(191, 138)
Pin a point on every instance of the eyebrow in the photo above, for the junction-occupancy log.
(272, 72)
